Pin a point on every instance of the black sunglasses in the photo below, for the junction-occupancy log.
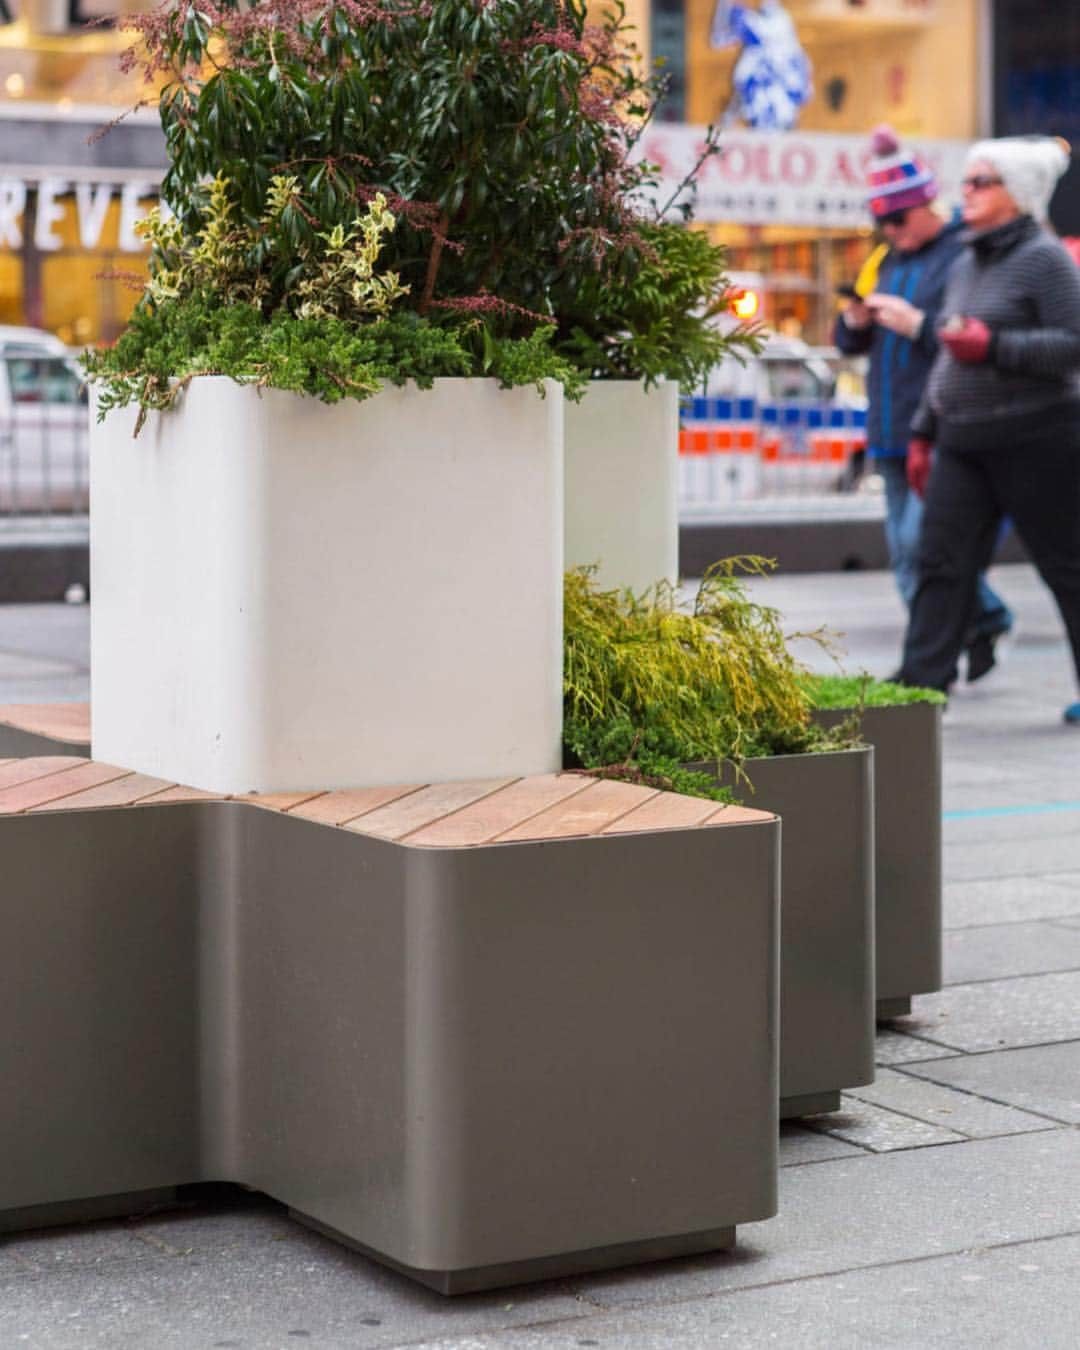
(896, 218)
(978, 181)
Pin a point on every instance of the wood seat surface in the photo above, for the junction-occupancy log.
(60, 721)
(435, 815)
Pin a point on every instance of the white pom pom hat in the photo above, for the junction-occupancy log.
(1029, 168)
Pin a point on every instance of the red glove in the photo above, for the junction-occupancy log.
(919, 457)
(969, 341)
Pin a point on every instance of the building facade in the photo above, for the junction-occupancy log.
(70, 195)
(1036, 83)
(787, 196)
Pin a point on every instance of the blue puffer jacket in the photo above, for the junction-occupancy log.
(900, 367)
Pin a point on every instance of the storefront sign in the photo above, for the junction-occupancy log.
(90, 203)
(797, 178)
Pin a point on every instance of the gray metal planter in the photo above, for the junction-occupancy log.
(480, 1065)
(907, 833)
(825, 802)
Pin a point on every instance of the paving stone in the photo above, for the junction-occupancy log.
(895, 1047)
(1003, 950)
(1010, 1299)
(957, 1111)
(1011, 899)
(799, 1145)
(1014, 857)
(885, 1208)
(1044, 1078)
(268, 1296)
(1002, 1014)
(879, 1129)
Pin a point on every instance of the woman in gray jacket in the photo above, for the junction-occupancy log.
(1000, 419)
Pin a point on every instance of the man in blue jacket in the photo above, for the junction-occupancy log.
(896, 324)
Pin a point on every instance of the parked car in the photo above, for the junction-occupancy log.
(44, 425)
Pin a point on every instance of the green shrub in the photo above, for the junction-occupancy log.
(659, 324)
(649, 686)
(469, 163)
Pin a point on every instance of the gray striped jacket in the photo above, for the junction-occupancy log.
(1024, 286)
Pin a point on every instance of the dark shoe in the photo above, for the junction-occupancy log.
(898, 677)
(982, 654)
(980, 659)
(1072, 714)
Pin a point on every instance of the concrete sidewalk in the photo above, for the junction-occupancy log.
(939, 1208)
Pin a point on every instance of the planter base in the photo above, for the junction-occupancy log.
(481, 1278)
(907, 846)
(812, 1104)
(827, 935)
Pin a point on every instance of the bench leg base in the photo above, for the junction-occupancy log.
(130, 1204)
(813, 1104)
(888, 1008)
(476, 1279)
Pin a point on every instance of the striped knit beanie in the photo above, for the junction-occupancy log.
(1029, 166)
(898, 179)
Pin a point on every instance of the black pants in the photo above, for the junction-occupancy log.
(1038, 485)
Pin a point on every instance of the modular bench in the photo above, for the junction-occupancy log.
(483, 1031)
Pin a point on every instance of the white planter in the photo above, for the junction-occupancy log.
(622, 469)
(290, 595)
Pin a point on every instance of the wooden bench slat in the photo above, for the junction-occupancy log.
(335, 808)
(124, 791)
(60, 721)
(53, 786)
(179, 793)
(739, 815)
(665, 811)
(280, 801)
(587, 812)
(400, 818)
(14, 771)
(483, 820)
(437, 815)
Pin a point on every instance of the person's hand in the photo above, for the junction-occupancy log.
(920, 453)
(856, 315)
(969, 339)
(896, 313)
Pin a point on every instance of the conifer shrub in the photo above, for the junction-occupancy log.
(650, 687)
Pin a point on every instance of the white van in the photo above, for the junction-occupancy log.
(44, 425)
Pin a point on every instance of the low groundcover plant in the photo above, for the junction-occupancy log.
(863, 691)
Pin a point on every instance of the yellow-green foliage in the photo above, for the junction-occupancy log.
(715, 681)
(333, 278)
(343, 283)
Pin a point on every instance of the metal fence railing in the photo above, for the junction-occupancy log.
(44, 469)
(736, 453)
